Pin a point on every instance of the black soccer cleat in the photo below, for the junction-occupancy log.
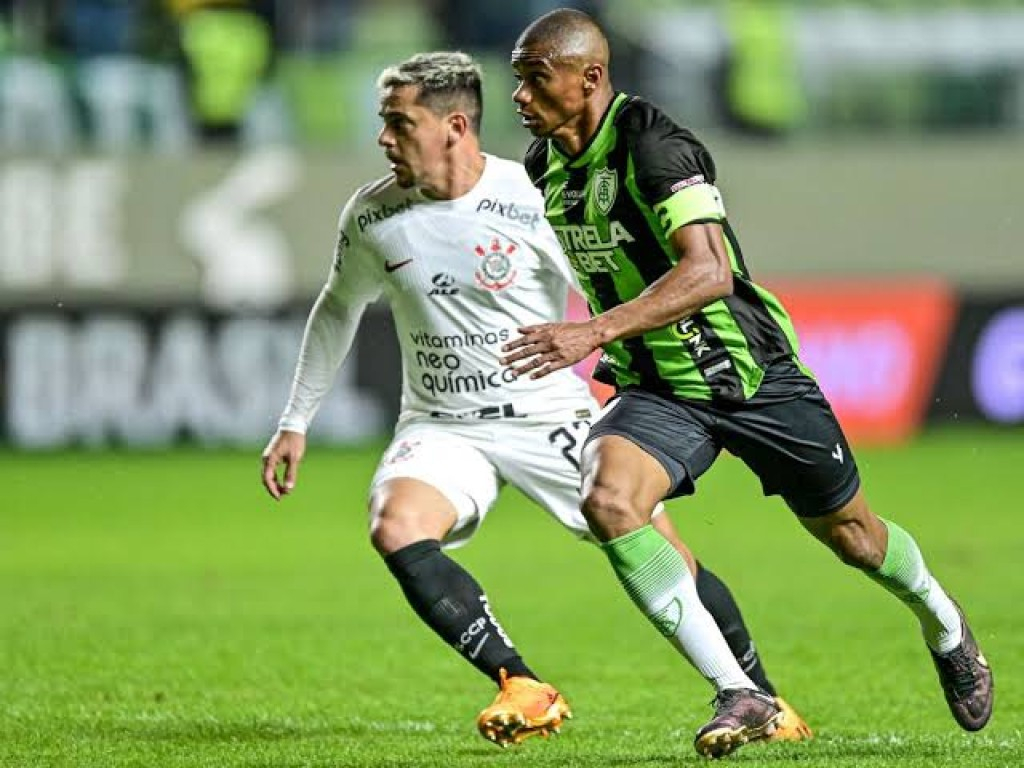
(741, 715)
(966, 680)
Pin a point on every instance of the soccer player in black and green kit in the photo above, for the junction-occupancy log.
(702, 358)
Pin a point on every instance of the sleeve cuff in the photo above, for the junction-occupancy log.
(292, 424)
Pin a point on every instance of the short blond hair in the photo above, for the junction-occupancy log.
(448, 81)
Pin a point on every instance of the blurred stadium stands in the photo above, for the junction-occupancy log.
(124, 74)
(171, 170)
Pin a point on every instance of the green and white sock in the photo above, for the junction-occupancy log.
(655, 576)
(904, 573)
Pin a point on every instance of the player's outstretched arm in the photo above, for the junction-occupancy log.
(285, 450)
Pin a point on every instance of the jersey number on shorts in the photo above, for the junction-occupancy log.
(562, 436)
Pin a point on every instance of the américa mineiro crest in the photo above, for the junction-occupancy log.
(604, 188)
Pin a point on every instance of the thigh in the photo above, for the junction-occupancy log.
(798, 450)
(678, 436)
(451, 460)
(543, 461)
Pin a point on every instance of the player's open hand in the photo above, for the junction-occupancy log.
(285, 448)
(549, 347)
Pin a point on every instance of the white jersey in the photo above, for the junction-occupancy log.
(461, 277)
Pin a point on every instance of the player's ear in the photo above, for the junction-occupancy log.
(458, 126)
(592, 75)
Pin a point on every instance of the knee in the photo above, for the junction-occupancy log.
(390, 531)
(609, 512)
(380, 535)
(856, 545)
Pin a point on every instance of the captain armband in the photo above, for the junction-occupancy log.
(699, 202)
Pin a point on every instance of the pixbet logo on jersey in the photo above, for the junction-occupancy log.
(385, 211)
(495, 272)
(529, 217)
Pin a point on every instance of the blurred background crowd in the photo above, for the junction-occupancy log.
(171, 173)
(117, 74)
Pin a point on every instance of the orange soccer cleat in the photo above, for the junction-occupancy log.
(524, 707)
(791, 727)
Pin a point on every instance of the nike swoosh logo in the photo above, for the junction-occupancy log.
(476, 651)
(389, 267)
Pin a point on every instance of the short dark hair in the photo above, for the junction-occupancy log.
(568, 34)
(448, 81)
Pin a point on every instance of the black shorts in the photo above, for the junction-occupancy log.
(795, 447)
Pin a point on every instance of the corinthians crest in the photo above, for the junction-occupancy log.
(495, 271)
(604, 189)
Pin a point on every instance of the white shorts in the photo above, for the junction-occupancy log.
(470, 461)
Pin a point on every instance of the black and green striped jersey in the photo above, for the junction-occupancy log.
(613, 207)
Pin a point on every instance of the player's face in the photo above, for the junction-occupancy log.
(413, 137)
(550, 93)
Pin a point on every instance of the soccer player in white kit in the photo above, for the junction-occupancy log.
(457, 242)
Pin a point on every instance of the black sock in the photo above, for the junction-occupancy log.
(720, 603)
(452, 604)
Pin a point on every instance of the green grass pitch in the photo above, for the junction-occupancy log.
(157, 609)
